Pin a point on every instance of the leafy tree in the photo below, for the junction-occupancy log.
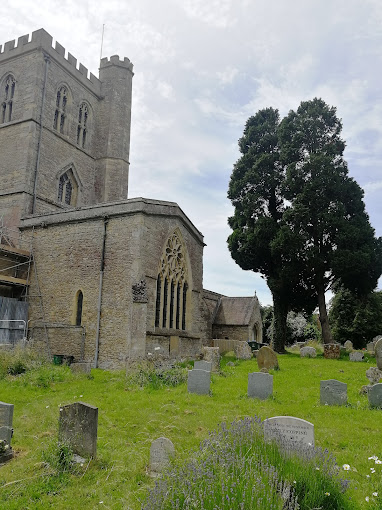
(358, 319)
(333, 240)
(255, 190)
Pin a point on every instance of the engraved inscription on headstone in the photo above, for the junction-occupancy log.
(260, 385)
(203, 365)
(333, 393)
(375, 395)
(161, 450)
(295, 431)
(78, 425)
(199, 382)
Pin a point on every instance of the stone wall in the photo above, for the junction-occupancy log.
(68, 251)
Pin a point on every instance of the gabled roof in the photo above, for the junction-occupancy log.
(235, 311)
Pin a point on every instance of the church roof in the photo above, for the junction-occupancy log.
(235, 311)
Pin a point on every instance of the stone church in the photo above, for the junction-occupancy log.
(84, 271)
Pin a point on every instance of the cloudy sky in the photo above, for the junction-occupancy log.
(202, 67)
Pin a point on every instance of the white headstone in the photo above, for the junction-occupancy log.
(348, 345)
(378, 353)
(333, 392)
(356, 356)
(308, 352)
(374, 375)
(260, 385)
(294, 431)
(161, 451)
(199, 382)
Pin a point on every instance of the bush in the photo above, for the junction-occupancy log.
(236, 468)
(155, 376)
(19, 360)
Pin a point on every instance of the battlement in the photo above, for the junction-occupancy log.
(40, 39)
(115, 61)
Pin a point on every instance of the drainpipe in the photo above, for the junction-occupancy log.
(47, 60)
(105, 222)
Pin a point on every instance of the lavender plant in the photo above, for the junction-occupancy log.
(236, 468)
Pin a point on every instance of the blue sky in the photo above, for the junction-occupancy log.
(202, 67)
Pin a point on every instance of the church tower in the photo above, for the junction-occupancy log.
(64, 134)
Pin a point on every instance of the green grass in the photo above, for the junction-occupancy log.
(131, 416)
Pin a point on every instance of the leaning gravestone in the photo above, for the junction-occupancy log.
(308, 352)
(356, 356)
(378, 353)
(212, 354)
(348, 345)
(242, 350)
(161, 451)
(6, 429)
(332, 351)
(266, 358)
(294, 431)
(199, 382)
(375, 395)
(78, 426)
(260, 385)
(333, 393)
(203, 365)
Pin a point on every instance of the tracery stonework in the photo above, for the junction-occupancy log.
(173, 260)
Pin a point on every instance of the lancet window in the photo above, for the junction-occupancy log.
(65, 189)
(60, 111)
(82, 126)
(80, 300)
(172, 288)
(8, 93)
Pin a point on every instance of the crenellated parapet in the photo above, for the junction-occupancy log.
(115, 61)
(41, 40)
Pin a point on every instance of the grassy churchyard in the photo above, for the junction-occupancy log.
(135, 410)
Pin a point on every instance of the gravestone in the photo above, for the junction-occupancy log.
(378, 353)
(348, 345)
(295, 432)
(6, 429)
(308, 352)
(374, 375)
(333, 393)
(375, 395)
(376, 338)
(370, 347)
(266, 358)
(203, 365)
(356, 356)
(81, 367)
(199, 382)
(260, 385)
(78, 426)
(332, 351)
(242, 350)
(161, 451)
(212, 354)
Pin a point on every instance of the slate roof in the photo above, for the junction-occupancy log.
(235, 311)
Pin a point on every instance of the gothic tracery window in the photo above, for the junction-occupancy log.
(65, 189)
(60, 111)
(82, 126)
(8, 93)
(172, 287)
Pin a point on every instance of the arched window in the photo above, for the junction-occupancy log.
(67, 188)
(80, 299)
(60, 111)
(171, 298)
(7, 95)
(82, 126)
